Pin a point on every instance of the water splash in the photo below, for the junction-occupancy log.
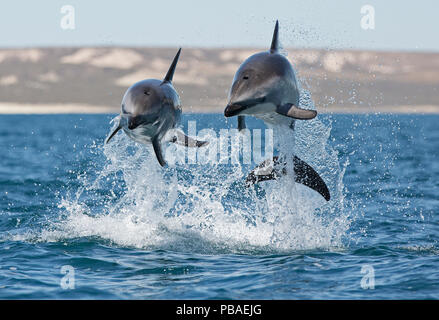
(132, 201)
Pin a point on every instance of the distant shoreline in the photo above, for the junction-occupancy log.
(14, 108)
(89, 80)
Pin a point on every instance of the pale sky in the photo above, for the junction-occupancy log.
(399, 25)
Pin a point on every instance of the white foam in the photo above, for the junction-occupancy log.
(162, 210)
(203, 208)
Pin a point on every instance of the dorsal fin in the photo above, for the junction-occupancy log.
(170, 74)
(275, 42)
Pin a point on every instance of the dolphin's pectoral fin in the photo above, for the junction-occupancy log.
(158, 151)
(241, 123)
(183, 140)
(113, 133)
(294, 112)
(303, 174)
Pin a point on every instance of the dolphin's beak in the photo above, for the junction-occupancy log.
(233, 110)
(133, 122)
(236, 108)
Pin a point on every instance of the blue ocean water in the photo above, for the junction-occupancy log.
(124, 228)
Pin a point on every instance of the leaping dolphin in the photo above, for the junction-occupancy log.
(150, 111)
(265, 86)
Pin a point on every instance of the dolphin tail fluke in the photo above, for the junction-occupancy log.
(306, 175)
(170, 73)
(303, 174)
(275, 41)
(290, 110)
(241, 123)
(113, 133)
(158, 151)
(181, 139)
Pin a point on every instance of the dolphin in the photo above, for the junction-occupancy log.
(265, 87)
(150, 112)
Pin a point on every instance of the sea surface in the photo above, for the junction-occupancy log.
(84, 220)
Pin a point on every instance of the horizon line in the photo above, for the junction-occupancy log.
(354, 49)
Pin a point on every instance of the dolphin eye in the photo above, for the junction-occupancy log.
(245, 77)
(147, 92)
